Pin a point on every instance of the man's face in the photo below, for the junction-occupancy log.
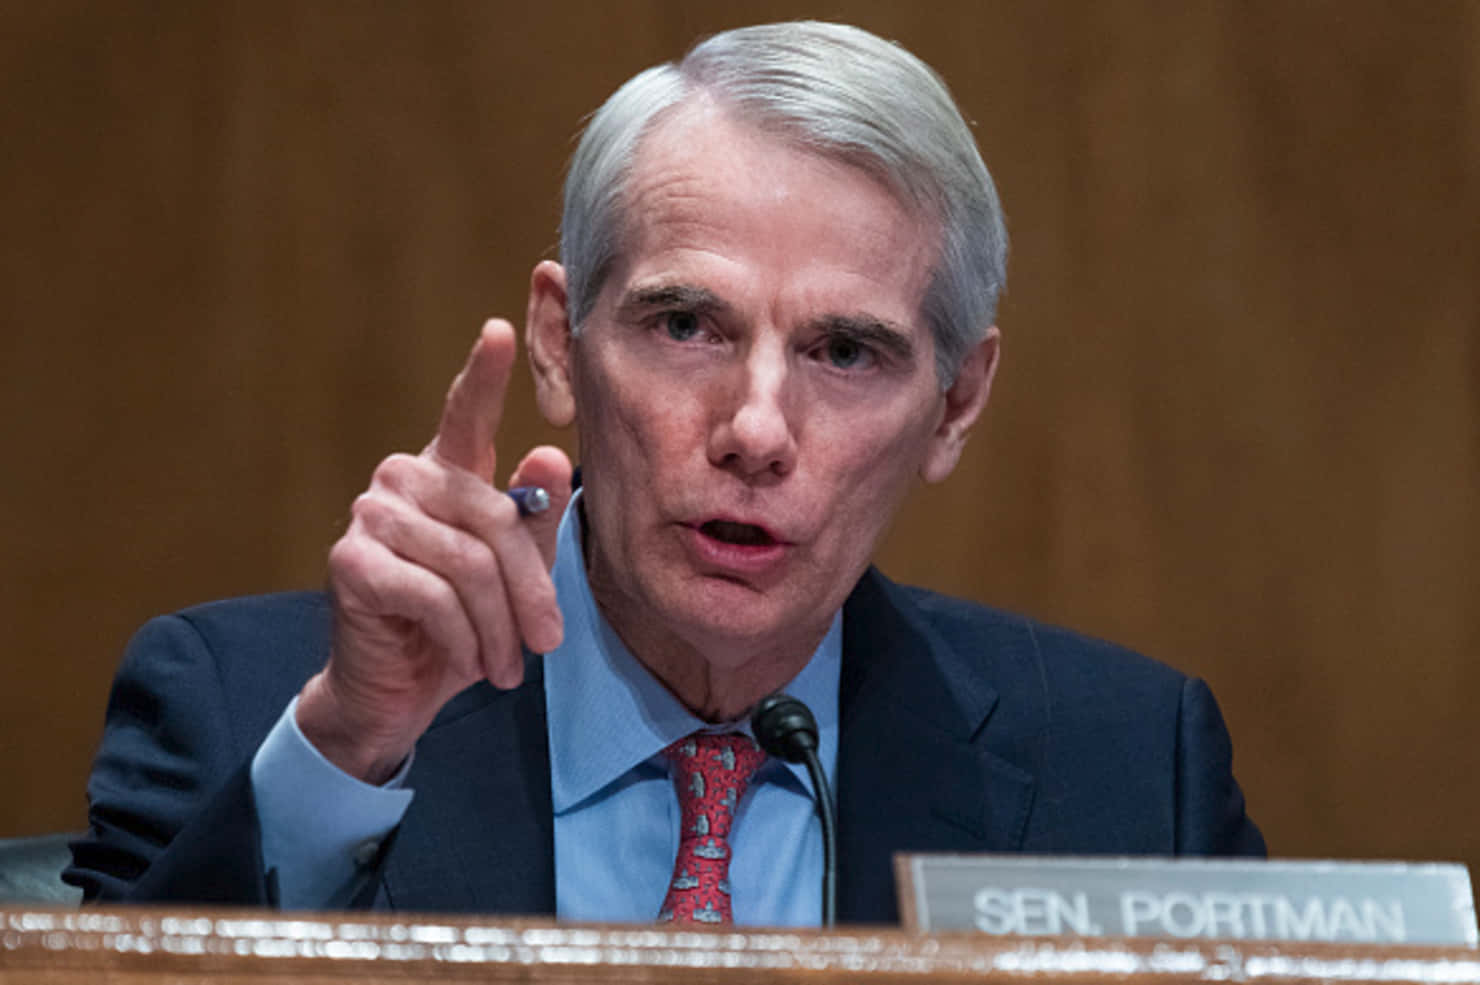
(754, 392)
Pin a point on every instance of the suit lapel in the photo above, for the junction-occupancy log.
(479, 836)
(922, 763)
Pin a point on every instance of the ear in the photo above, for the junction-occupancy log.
(547, 335)
(965, 401)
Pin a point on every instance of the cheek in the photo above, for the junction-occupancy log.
(874, 458)
(637, 428)
(655, 424)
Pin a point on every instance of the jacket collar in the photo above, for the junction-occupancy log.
(919, 768)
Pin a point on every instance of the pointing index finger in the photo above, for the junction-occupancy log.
(475, 403)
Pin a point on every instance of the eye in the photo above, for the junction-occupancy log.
(680, 326)
(842, 352)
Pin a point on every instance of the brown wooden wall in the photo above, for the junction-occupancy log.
(1238, 424)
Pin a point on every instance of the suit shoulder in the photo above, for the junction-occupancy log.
(1125, 754)
(1064, 654)
(288, 610)
(281, 628)
(258, 650)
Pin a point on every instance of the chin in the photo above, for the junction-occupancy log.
(728, 619)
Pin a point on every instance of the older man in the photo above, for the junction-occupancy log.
(775, 306)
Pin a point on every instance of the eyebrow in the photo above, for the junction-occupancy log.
(892, 340)
(685, 297)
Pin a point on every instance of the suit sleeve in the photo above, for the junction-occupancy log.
(321, 828)
(1211, 819)
(170, 810)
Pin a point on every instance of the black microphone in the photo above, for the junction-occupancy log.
(785, 728)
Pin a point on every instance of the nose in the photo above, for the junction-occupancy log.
(752, 433)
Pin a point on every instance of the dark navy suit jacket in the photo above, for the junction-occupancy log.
(963, 729)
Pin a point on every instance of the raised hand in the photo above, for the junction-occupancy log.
(438, 580)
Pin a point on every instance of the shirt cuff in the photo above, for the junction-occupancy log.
(320, 826)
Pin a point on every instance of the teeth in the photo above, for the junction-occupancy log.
(736, 533)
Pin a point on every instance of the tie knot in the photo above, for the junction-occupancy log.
(731, 757)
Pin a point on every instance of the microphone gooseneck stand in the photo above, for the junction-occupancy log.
(785, 728)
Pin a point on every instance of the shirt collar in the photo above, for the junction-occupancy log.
(608, 714)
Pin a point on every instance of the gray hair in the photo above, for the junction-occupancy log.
(833, 89)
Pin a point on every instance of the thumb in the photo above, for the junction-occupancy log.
(549, 468)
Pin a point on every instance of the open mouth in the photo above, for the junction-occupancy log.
(741, 534)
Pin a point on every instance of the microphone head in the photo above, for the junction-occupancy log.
(784, 727)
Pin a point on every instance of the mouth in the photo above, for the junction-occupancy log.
(732, 549)
(738, 534)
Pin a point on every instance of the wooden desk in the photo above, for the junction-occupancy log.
(137, 945)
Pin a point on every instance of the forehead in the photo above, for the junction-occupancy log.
(710, 191)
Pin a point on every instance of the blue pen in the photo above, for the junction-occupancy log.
(530, 499)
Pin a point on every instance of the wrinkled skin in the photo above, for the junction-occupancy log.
(755, 392)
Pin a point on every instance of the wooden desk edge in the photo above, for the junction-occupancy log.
(221, 945)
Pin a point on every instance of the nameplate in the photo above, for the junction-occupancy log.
(1188, 898)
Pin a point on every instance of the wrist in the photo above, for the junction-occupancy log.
(368, 753)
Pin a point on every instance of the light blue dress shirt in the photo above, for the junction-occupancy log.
(616, 815)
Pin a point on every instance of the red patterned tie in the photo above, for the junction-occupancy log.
(710, 773)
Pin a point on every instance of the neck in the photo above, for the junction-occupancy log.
(718, 691)
(716, 682)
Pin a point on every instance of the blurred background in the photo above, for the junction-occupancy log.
(1237, 425)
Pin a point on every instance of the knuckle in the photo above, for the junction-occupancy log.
(352, 562)
(373, 512)
(438, 598)
(347, 553)
(471, 559)
(364, 503)
(432, 604)
(395, 471)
